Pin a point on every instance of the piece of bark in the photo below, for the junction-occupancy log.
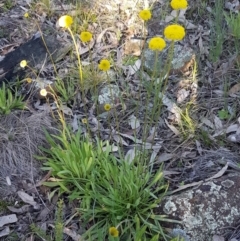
(35, 52)
(205, 210)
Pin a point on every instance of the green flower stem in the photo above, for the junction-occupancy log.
(159, 88)
(171, 52)
(149, 92)
(78, 57)
(80, 74)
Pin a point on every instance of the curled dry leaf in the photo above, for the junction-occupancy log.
(23, 209)
(232, 128)
(172, 128)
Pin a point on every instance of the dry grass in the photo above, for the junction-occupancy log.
(21, 135)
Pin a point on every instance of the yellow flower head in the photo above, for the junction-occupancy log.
(145, 14)
(157, 43)
(113, 232)
(26, 15)
(29, 80)
(65, 21)
(43, 92)
(23, 63)
(84, 120)
(107, 107)
(85, 36)
(179, 4)
(104, 65)
(174, 32)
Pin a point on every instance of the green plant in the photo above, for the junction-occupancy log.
(58, 226)
(223, 114)
(121, 195)
(187, 124)
(43, 6)
(217, 31)
(233, 22)
(113, 192)
(8, 101)
(177, 239)
(8, 4)
(13, 236)
(72, 160)
(4, 205)
(66, 89)
(204, 137)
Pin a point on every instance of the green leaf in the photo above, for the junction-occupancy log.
(223, 114)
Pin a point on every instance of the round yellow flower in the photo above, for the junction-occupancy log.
(113, 232)
(26, 15)
(29, 80)
(174, 32)
(43, 92)
(157, 43)
(179, 4)
(145, 14)
(65, 21)
(104, 65)
(84, 120)
(23, 63)
(85, 36)
(107, 107)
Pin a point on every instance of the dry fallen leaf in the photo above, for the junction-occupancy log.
(133, 47)
(165, 157)
(133, 122)
(199, 148)
(218, 123)
(134, 68)
(217, 175)
(234, 89)
(5, 232)
(182, 94)
(130, 155)
(217, 238)
(232, 5)
(172, 128)
(66, 110)
(12, 218)
(207, 122)
(172, 107)
(232, 128)
(23, 209)
(27, 199)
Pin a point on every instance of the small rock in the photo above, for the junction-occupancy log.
(206, 210)
(108, 94)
